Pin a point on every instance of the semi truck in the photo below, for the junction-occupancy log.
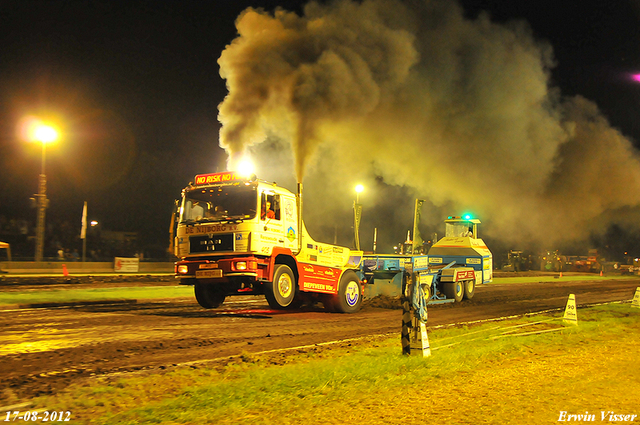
(238, 235)
(449, 272)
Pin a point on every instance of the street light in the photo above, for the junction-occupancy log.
(359, 189)
(44, 134)
(357, 214)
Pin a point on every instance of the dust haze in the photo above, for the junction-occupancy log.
(414, 100)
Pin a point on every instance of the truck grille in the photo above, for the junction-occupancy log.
(211, 243)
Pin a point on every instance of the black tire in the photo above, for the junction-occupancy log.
(349, 296)
(281, 292)
(208, 296)
(469, 289)
(453, 290)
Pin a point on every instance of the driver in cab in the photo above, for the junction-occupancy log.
(267, 212)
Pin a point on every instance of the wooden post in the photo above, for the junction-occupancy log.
(405, 335)
(414, 331)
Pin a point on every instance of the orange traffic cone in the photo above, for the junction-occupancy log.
(65, 272)
(600, 272)
(560, 274)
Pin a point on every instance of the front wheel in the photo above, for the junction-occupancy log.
(209, 296)
(349, 296)
(281, 292)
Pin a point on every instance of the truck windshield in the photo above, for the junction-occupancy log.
(220, 203)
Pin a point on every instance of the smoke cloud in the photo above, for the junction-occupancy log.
(413, 99)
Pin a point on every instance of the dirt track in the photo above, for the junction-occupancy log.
(45, 349)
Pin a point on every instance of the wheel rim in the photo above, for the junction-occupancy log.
(352, 293)
(426, 290)
(470, 286)
(459, 289)
(284, 286)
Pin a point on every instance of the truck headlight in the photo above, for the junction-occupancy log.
(183, 269)
(246, 265)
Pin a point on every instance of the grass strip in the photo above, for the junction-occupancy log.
(546, 279)
(519, 379)
(94, 294)
(179, 291)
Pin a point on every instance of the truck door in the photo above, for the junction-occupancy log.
(271, 217)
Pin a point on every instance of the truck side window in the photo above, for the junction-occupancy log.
(276, 207)
(270, 207)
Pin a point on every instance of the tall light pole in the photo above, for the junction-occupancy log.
(357, 214)
(43, 134)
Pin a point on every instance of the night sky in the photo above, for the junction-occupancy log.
(134, 88)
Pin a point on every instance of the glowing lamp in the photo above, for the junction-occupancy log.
(245, 167)
(359, 190)
(44, 134)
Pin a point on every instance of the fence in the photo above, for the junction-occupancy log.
(55, 267)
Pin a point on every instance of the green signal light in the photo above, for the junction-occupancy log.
(467, 216)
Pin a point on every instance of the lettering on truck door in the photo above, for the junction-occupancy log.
(290, 222)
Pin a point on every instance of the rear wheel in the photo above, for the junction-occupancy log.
(469, 289)
(349, 296)
(209, 296)
(453, 290)
(281, 292)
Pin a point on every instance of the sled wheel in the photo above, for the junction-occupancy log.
(469, 289)
(454, 290)
(426, 289)
(281, 292)
(208, 296)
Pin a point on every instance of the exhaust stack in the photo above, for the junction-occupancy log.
(299, 202)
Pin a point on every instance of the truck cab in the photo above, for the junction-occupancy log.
(215, 220)
(241, 236)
